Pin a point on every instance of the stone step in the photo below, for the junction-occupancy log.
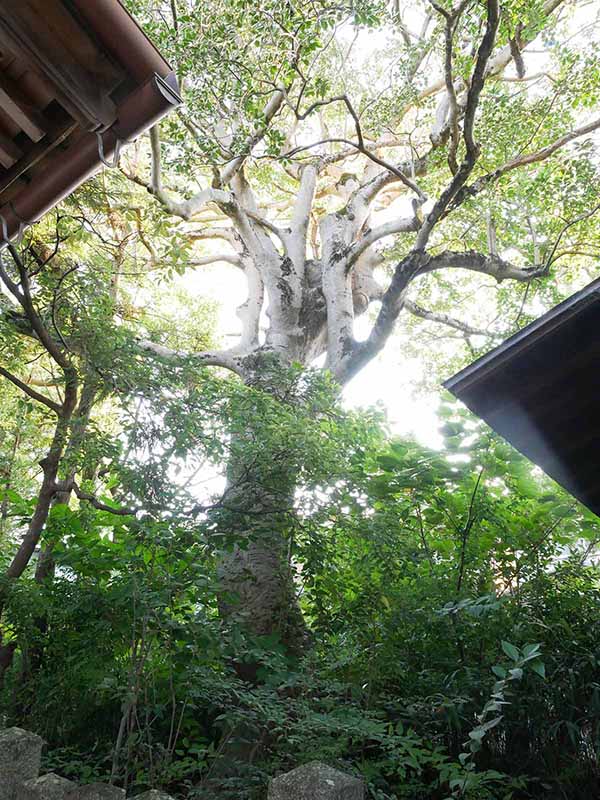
(47, 787)
(316, 781)
(97, 791)
(20, 758)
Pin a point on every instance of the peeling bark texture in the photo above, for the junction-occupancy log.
(256, 583)
(258, 593)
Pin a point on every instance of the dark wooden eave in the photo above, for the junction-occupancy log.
(540, 390)
(70, 70)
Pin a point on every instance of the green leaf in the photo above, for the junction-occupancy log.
(539, 668)
(511, 651)
(531, 650)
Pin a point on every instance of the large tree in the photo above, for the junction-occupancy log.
(348, 159)
(304, 122)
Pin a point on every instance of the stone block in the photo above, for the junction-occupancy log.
(48, 787)
(97, 791)
(316, 781)
(20, 757)
(153, 794)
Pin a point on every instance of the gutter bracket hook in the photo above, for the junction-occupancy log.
(115, 160)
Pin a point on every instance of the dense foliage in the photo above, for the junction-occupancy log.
(211, 569)
(428, 578)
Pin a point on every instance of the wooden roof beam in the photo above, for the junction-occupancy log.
(16, 106)
(48, 37)
(9, 152)
(57, 133)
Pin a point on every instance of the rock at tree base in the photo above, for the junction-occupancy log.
(153, 794)
(316, 781)
(20, 757)
(97, 791)
(48, 787)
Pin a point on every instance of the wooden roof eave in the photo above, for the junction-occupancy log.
(539, 391)
(67, 160)
(140, 110)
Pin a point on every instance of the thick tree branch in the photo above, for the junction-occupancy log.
(50, 464)
(444, 319)
(265, 223)
(522, 161)
(204, 261)
(476, 262)
(226, 234)
(22, 294)
(187, 208)
(369, 190)
(372, 235)
(304, 201)
(451, 19)
(251, 227)
(472, 148)
(214, 358)
(415, 264)
(156, 165)
(505, 55)
(269, 112)
(250, 310)
(98, 504)
(24, 387)
(498, 62)
(397, 172)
